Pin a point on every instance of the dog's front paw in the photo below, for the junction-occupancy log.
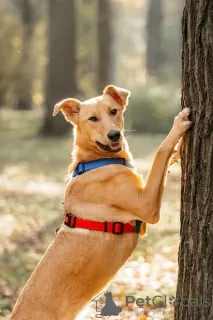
(176, 155)
(182, 122)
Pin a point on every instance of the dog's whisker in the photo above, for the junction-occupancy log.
(129, 130)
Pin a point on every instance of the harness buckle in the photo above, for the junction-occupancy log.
(121, 224)
(105, 226)
(70, 220)
(138, 226)
(81, 168)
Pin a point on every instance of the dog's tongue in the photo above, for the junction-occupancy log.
(115, 146)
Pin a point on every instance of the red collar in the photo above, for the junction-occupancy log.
(112, 227)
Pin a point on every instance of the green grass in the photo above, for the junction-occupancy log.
(32, 175)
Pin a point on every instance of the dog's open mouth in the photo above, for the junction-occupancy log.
(113, 147)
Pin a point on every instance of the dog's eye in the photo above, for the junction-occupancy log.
(93, 119)
(113, 112)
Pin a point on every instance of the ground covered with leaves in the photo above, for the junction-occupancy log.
(32, 180)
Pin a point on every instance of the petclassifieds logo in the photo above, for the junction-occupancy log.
(106, 305)
(109, 308)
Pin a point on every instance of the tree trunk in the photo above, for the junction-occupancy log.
(195, 279)
(104, 44)
(61, 73)
(154, 50)
(24, 82)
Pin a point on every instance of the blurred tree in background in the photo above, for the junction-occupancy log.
(62, 69)
(104, 25)
(154, 51)
(10, 33)
(56, 49)
(25, 69)
(86, 47)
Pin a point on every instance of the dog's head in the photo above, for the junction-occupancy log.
(99, 121)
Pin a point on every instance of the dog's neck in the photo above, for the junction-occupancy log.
(86, 155)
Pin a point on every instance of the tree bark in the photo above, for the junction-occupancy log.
(195, 278)
(154, 50)
(104, 44)
(61, 72)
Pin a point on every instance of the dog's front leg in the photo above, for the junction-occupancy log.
(151, 195)
(176, 156)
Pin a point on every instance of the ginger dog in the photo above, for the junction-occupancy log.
(79, 262)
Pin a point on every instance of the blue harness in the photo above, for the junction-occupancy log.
(86, 166)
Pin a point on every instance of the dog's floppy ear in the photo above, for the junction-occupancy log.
(120, 95)
(70, 109)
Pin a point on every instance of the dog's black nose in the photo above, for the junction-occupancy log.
(114, 135)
